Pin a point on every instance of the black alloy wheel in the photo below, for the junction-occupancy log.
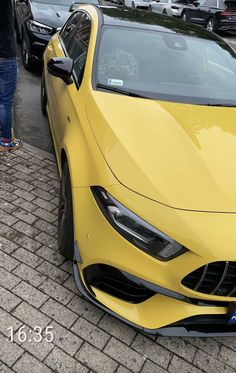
(26, 55)
(65, 216)
(211, 25)
(43, 95)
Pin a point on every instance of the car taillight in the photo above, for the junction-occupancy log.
(228, 13)
(174, 7)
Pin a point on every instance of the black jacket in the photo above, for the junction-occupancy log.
(7, 32)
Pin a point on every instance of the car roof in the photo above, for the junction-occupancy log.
(128, 17)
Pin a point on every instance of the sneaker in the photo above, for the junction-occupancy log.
(15, 144)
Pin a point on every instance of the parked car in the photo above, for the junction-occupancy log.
(146, 158)
(215, 15)
(170, 7)
(141, 4)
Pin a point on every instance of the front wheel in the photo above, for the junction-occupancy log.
(26, 55)
(211, 25)
(65, 217)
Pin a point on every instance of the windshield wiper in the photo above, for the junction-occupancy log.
(121, 91)
(220, 105)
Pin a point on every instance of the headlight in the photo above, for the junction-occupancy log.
(39, 27)
(136, 230)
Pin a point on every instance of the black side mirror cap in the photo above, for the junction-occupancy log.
(61, 67)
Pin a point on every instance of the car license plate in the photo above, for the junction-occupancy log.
(232, 313)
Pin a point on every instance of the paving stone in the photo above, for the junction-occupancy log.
(23, 194)
(7, 262)
(10, 197)
(209, 364)
(8, 300)
(53, 272)
(45, 215)
(7, 279)
(122, 353)
(52, 256)
(28, 243)
(9, 351)
(24, 215)
(7, 321)
(90, 333)
(64, 339)
(34, 344)
(150, 367)
(67, 266)
(8, 207)
(31, 316)
(179, 346)
(178, 365)
(28, 274)
(152, 351)
(59, 313)
(26, 205)
(26, 229)
(56, 291)
(226, 341)
(122, 370)
(4, 368)
(209, 345)
(60, 362)
(42, 185)
(30, 294)
(7, 246)
(47, 240)
(46, 205)
(23, 185)
(96, 360)
(117, 328)
(28, 364)
(70, 284)
(28, 258)
(85, 309)
(42, 194)
(7, 186)
(6, 218)
(46, 227)
(228, 357)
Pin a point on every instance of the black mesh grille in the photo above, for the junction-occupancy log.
(218, 278)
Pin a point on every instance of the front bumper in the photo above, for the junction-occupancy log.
(175, 310)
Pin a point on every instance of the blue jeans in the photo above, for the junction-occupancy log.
(8, 77)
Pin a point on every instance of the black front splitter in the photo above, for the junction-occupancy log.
(173, 330)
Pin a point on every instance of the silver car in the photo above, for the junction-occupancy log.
(170, 7)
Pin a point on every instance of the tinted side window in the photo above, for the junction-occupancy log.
(69, 29)
(212, 3)
(78, 47)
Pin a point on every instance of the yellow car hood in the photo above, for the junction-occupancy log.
(180, 155)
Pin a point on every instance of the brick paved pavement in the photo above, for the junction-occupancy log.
(37, 289)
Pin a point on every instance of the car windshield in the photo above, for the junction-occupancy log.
(230, 5)
(54, 2)
(166, 66)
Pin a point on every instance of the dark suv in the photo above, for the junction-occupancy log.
(36, 21)
(215, 15)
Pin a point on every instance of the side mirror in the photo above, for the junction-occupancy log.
(61, 67)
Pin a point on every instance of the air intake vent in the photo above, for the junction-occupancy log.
(114, 282)
(218, 278)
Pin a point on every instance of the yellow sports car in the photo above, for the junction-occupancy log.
(143, 118)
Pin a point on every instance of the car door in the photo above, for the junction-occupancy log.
(199, 12)
(160, 6)
(74, 39)
(22, 11)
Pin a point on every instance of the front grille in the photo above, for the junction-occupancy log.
(218, 278)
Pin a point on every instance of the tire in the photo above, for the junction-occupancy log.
(43, 95)
(184, 16)
(211, 25)
(164, 12)
(26, 56)
(65, 216)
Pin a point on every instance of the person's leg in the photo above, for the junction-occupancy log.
(8, 77)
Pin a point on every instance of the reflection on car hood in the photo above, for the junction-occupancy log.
(50, 14)
(181, 155)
